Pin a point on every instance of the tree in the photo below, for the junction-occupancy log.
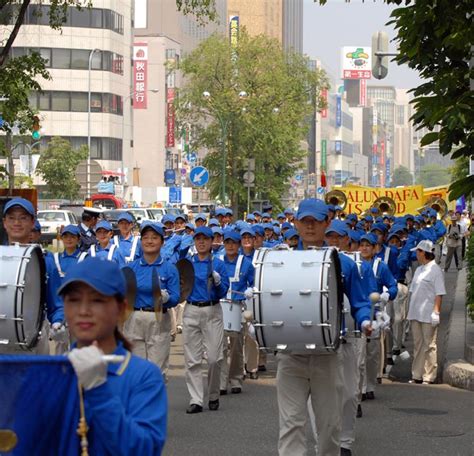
(259, 98)
(460, 171)
(433, 175)
(57, 167)
(401, 176)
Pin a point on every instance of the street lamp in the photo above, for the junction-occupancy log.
(88, 169)
(128, 97)
(223, 124)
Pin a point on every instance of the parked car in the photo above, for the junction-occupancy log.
(107, 201)
(112, 216)
(52, 221)
(142, 214)
(157, 212)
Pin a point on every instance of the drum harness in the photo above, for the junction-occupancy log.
(133, 250)
(110, 254)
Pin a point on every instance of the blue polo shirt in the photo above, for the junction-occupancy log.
(202, 271)
(245, 278)
(169, 281)
(127, 414)
(66, 261)
(125, 246)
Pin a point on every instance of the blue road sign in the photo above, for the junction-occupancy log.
(191, 157)
(299, 177)
(170, 176)
(320, 190)
(199, 176)
(175, 195)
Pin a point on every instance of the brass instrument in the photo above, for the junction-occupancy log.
(385, 206)
(436, 203)
(336, 198)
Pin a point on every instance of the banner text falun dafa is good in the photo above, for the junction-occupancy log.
(407, 199)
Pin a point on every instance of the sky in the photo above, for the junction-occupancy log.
(326, 29)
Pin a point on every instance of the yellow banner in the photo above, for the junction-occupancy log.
(407, 199)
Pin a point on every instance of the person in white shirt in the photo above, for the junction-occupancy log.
(426, 293)
(454, 235)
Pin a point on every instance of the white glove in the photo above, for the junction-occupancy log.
(375, 330)
(435, 318)
(217, 278)
(385, 297)
(90, 369)
(383, 320)
(58, 332)
(248, 293)
(165, 296)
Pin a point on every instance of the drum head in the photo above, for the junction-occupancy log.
(30, 299)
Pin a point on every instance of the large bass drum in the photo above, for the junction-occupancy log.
(298, 306)
(22, 295)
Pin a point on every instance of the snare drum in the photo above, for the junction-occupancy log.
(232, 315)
(22, 295)
(298, 308)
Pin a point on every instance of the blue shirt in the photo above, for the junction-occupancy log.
(384, 278)
(392, 262)
(170, 249)
(125, 246)
(117, 255)
(169, 281)
(439, 229)
(245, 279)
(66, 261)
(202, 270)
(127, 414)
(54, 303)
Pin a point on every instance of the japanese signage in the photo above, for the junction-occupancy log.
(407, 199)
(170, 117)
(338, 111)
(234, 30)
(387, 172)
(356, 62)
(324, 153)
(324, 96)
(363, 92)
(140, 61)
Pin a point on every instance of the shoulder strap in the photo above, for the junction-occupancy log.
(133, 250)
(110, 255)
(386, 255)
(58, 264)
(116, 240)
(375, 266)
(92, 250)
(82, 256)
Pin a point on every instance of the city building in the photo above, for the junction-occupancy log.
(106, 31)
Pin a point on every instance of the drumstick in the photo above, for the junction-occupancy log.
(113, 359)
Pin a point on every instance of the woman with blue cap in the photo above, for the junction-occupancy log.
(125, 403)
(203, 327)
(104, 247)
(126, 241)
(149, 326)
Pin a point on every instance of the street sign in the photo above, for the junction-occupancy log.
(175, 195)
(199, 176)
(299, 177)
(249, 177)
(170, 176)
(95, 174)
(320, 190)
(183, 171)
(191, 157)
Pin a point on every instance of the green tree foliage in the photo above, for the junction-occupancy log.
(433, 175)
(401, 176)
(267, 124)
(57, 166)
(204, 10)
(459, 172)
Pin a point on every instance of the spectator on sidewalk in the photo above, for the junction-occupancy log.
(454, 237)
(426, 293)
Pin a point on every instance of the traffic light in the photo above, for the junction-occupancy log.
(36, 129)
(379, 63)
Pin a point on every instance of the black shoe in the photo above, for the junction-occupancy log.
(370, 395)
(389, 361)
(414, 380)
(236, 390)
(253, 376)
(214, 405)
(194, 408)
(222, 392)
(346, 452)
(396, 352)
(359, 411)
(262, 368)
(364, 397)
(379, 380)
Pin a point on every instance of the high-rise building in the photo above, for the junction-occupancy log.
(63, 102)
(293, 25)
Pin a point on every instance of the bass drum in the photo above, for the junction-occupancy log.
(298, 307)
(22, 295)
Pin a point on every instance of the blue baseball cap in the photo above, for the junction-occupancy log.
(21, 202)
(71, 229)
(217, 230)
(266, 215)
(355, 235)
(331, 208)
(312, 207)
(409, 217)
(374, 210)
(257, 213)
(247, 231)
(288, 210)
(190, 226)
(267, 207)
(204, 230)
(290, 233)
(232, 235)
(250, 217)
(378, 219)
(125, 216)
(221, 211)
(338, 208)
(258, 230)
(37, 226)
(392, 235)
(397, 228)
(281, 215)
(276, 230)
(352, 217)
(168, 218)
(286, 226)
(228, 211)
(152, 226)
(369, 237)
(183, 217)
(102, 275)
(268, 226)
(213, 222)
(338, 227)
(275, 223)
(368, 218)
(200, 216)
(104, 225)
(379, 227)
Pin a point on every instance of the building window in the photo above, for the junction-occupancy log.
(44, 101)
(61, 58)
(79, 101)
(80, 59)
(96, 18)
(60, 101)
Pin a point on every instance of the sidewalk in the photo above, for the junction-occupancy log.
(458, 368)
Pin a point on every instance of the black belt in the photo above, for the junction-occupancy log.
(149, 309)
(203, 303)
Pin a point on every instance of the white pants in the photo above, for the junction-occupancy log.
(203, 331)
(151, 340)
(397, 310)
(300, 377)
(372, 364)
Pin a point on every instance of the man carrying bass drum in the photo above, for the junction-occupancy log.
(314, 376)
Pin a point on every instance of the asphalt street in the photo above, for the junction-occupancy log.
(404, 419)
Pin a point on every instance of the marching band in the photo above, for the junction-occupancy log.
(330, 294)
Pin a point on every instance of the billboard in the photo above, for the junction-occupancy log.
(356, 62)
(170, 117)
(140, 61)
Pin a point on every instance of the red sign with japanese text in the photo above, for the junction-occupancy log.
(170, 117)
(140, 61)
